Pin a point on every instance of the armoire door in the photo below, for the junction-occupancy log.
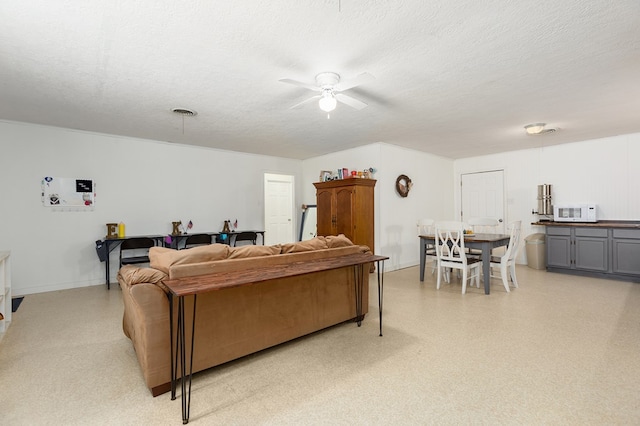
(344, 211)
(326, 212)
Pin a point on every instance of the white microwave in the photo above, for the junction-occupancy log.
(575, 213)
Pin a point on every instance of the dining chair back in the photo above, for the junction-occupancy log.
(483, 225)
(507, 262)
(426, 227)
(135, 250)
(197, 240)
(451, 254)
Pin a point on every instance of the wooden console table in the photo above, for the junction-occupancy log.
(193, 286)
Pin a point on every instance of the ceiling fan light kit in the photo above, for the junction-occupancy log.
(327, 101)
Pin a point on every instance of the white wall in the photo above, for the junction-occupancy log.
(145, 184)
(602, 171)
(148, 184)
(395, 217)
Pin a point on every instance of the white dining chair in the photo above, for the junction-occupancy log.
(507, 262)
(482, 225)
(451, 254)
(425, 227)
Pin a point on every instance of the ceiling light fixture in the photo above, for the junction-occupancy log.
(534, 129)
(327, 101)
(537, 129)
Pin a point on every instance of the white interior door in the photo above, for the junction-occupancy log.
(278, 209)
(483, 196)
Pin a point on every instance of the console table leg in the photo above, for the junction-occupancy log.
(174, 362)
(358, 282)
(186, 370)
(380, 290)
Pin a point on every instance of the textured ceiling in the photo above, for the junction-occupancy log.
(455, 78)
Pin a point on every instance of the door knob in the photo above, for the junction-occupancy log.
(500, 220)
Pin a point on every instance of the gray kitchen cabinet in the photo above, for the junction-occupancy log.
(594, 250)
(626, 251)
(559, 247)
(591, 249)
(578, 248)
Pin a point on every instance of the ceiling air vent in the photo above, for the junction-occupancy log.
(184, 112)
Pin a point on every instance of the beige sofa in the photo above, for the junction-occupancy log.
(235, 322)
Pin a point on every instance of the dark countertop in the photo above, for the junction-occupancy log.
(632, 224)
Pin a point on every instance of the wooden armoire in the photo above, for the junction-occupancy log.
(346, 207)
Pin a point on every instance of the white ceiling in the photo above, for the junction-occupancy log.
(456, 78)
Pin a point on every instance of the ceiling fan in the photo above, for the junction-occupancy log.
(331, 88)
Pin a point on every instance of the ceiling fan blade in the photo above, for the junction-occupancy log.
(352, 102)
(363, 78)
(301, 84)
(306, 101)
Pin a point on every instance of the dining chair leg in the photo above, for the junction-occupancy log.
(512, 269)
(464, 280)
(504, 274)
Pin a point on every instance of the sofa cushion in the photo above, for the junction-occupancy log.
(163, 258)
(317, 243)
(132, 274)
(335, 241)
(253, 251)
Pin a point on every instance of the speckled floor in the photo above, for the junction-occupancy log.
(560, 350)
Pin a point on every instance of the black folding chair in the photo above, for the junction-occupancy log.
(135, 246)
(197, 240)
(246, 236)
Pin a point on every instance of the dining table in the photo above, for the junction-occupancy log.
(484, 242)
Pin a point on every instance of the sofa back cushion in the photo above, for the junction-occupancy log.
(335, 241)
(317, 243)
(253, 251)
(163, 258)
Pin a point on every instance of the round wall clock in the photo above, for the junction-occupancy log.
(403, 185)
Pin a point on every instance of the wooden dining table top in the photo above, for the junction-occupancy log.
(480, 238)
